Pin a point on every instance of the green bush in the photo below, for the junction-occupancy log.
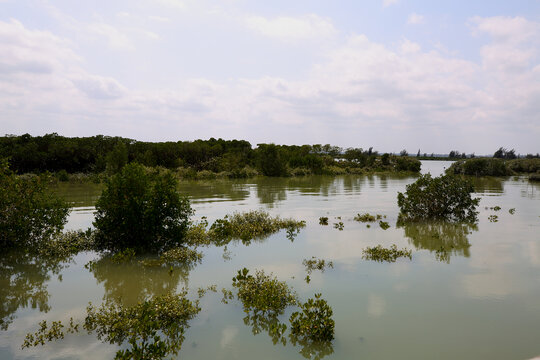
(141, 211)
(29, 215)
(480, 167)
(445, 197)
(315, 322)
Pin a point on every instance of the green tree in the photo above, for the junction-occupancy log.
(141, 211)
(270, 161)
(117, 158)
(29, 215)
(445, 197)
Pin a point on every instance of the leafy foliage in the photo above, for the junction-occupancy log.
(141, 211)
(250, 225)
(323, 220)
(380, 254)
(445, 197)
(480, 167)
(29, 215)
(314, 323)
(263, 293)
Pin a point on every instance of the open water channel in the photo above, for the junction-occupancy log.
(477, 299)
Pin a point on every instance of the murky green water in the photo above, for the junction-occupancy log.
(468, 293)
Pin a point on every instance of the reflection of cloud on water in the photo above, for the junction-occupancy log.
(494, 272)
(532, 249)
(82, 345)
(376, 305)
(227, 336)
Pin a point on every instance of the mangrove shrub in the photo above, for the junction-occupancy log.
(445, 197)
(141, 211)
(29, 215)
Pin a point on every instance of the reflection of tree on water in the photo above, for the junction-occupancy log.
(22, 283)
(443, 238)
(272, 190)
(269, 323)
(233, 190)
(130, 282)
(488, 184)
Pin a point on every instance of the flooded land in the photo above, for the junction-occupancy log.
(447, 291)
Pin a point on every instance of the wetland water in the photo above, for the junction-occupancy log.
(467, 293)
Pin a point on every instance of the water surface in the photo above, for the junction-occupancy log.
(469, 292)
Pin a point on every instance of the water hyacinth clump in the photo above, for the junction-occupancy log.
(263, 293)
(380, 254)
(251, 225)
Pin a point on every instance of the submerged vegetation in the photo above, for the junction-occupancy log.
(263, 293)
(250, 225)
(381, 254)
(152, 329)
(445, 197)
(314, 322)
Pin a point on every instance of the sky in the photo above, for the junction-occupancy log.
(389, 74)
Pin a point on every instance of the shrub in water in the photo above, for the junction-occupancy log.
(445, 197)
(29, 215)
(314, 322)
(141, 211)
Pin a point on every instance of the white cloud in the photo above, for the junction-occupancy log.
(292, 28)
(387, 3)
(360, 91)
(116, 39)
(415, 19)
(160, 19)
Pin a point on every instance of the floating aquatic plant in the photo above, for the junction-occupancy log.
(384, 225)
(493, 218)
(512, 211)
(323, 220)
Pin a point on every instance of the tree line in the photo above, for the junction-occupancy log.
(96, 154)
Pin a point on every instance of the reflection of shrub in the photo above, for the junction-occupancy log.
(29, 215)
(445, 197)
(141, 211)
(315, 322)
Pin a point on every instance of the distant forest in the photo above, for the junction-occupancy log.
(96, 154)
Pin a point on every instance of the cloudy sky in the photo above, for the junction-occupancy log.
(392, 74)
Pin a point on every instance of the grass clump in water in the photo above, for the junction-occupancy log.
(176, 256)
(381, 254)
(251, 225)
